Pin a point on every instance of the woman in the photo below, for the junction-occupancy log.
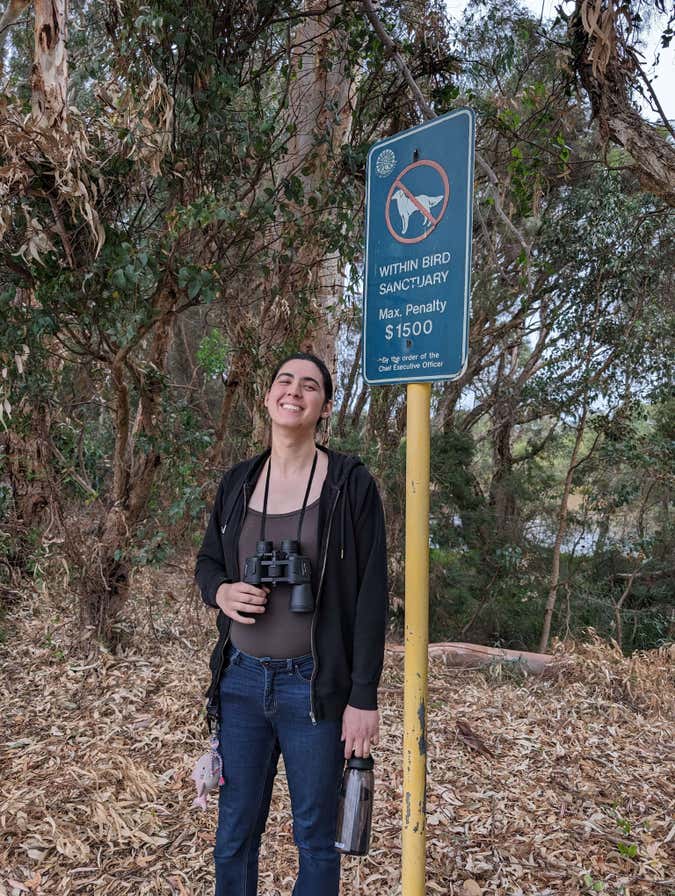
(299, 684)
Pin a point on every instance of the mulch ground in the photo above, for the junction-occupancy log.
(96, 751)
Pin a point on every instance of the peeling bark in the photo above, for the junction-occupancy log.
(607, 81)
(49, 80)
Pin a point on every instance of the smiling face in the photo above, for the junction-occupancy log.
(296, 399)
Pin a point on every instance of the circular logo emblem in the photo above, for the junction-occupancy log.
(385, 162)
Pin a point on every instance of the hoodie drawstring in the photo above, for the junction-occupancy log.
(343, 514)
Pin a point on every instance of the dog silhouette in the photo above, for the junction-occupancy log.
(406, 207)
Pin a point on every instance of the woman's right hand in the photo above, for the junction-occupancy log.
(235, 598)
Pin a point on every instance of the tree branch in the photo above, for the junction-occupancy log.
(648, 83)
(379, 29)
(10, 17)
(429, 114)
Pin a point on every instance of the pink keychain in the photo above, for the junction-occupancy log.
(208, 774)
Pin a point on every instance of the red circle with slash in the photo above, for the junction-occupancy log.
(398, 184)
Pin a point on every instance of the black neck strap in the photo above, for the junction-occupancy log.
(304, 500)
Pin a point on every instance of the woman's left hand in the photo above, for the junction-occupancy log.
(360, 730)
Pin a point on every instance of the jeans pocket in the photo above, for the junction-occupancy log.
(304, 669)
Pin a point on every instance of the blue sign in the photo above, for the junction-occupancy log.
(418, 252)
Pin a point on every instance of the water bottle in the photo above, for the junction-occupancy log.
(355, 807)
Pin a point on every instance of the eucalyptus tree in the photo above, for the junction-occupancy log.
(198, 207)
(157, 190)
(201, 183)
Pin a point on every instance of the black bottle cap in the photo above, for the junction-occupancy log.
(362, 762)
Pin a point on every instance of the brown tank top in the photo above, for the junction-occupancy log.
(277, 632)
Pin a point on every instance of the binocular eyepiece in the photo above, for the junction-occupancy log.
(282, 566)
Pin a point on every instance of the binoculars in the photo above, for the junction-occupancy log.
(282, 566)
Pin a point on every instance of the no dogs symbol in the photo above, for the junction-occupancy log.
(420, 197)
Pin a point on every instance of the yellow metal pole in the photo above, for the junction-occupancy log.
(416, 638)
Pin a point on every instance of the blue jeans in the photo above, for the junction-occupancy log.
(264, 709)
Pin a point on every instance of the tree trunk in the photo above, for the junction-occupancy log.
(106, 571)
(324, 324)
(217, 454)
(618, 606)
(377, 422)
(320, 119)
(26, 462)
(297, 298)
(50, 69)
(501, 499)
(349, 389)
(359, 406)
(560, 537)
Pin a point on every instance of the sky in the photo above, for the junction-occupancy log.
(664, 85)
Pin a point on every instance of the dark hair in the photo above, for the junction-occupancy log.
(306, 356)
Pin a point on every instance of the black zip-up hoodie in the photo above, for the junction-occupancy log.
(349, 583)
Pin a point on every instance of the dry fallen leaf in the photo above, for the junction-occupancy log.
(96, 753)
(471, 888)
